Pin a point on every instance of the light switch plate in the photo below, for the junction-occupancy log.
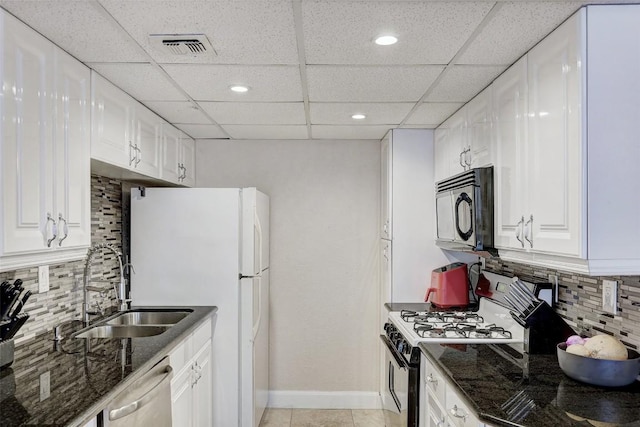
(43, 278)
(610, 296)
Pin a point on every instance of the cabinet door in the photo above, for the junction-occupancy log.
(26, 138)
(72, 158)
(510, 138)
(457, 141)
(182, 398)
(442, 153)
(203, 397)
(148, 126)
(111, 123)
(171, 151)
(555, 154)
(478, 146)
(386, 197)
(188, 161)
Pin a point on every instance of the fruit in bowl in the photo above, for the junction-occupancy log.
(600, 360)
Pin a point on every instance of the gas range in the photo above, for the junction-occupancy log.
(492, 323)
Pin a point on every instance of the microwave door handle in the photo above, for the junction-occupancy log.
(464, 235)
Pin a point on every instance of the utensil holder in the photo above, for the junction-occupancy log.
(6, 353)
(545, 329)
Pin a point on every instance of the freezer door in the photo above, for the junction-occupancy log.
(255, 348)
(255, 232)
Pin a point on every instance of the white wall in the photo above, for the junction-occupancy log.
(324, 261)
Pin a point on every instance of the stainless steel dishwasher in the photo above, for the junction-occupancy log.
(146, 402)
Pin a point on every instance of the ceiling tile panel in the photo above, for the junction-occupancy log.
(369, 83)
(241, 32)
(522, 24)
(350, 132)
(433, 113)
(259, 113)
(376, 114)
(142, 81)
(461, 82)
(267, 132)
(202, 131)
(428, 32)
(276, 83)
(81, 28)
(178, 112)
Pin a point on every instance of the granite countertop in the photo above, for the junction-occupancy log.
(84, 374)
(487, 380)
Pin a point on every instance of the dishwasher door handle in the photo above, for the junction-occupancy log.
(132, 407)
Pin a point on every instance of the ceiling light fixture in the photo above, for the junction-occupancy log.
(358, 116)
(239, 88)
(386, 40)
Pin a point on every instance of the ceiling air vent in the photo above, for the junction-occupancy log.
(183, 44)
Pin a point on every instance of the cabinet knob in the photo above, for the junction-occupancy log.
(458, 413)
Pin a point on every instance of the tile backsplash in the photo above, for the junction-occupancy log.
(63, 301)
(580, 300)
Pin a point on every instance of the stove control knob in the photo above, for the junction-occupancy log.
(388, 327)
(401, 346)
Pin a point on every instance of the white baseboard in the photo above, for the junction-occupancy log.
(325, 399)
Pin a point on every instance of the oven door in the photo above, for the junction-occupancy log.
(395, 393)
(464, 215)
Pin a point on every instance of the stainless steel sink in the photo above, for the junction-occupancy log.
(120, 331)
(139, 318)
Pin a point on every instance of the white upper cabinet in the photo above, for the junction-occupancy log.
(45, 152)
(575, 156)
(478, 149)
(146, 141)
(178, 157)
(553, 221)
(510, 139)
(112, 132)
(464, 140)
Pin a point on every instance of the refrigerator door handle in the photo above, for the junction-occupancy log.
(256, 326)
(258, 228)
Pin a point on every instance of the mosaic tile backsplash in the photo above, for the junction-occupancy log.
(64, 300)
(580, 300)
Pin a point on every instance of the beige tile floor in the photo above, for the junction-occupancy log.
(322, 418)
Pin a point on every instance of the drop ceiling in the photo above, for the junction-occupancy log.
(309, 64)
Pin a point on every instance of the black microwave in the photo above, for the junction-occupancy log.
(464, 211)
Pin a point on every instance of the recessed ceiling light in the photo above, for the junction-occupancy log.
(239, 88)
(358, 116)
(386, 40)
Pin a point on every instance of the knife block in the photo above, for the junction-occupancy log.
(6, 353)
(544, 330)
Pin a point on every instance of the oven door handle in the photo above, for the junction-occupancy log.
(394, 352)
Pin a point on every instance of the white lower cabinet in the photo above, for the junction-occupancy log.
(192, 384)
(441, 404)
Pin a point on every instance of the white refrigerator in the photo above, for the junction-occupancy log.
(210, 246)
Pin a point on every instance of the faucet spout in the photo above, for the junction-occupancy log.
(121, 291)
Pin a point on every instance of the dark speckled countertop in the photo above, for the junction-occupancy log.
(84, 374)
(487, 380)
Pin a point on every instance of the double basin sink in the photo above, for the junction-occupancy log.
(134, 324)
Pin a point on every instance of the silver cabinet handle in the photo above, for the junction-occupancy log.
(130, 408)
(467, 151)
(460, 159)
(138, 159)
(519, 230)
(131, 158)
(458, 413)
(54, 229)
(430, 379)
(65, 229)
(528, 230)
(179, 171)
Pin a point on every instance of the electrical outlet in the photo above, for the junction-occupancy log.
(43, 278)
(483, 263)
(610, 296)
(45, 385)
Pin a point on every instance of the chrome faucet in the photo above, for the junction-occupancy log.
(120, 291)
